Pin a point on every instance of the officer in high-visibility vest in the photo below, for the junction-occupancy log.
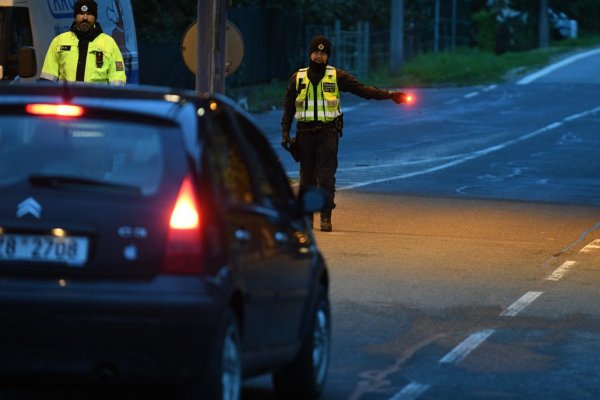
(84, 53)
(313, 98)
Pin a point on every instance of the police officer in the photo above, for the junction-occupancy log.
(313, 98)
(84, 53)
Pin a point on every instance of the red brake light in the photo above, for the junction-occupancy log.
(183, 249)
(409, 99)
(185, 214)
(54, 110)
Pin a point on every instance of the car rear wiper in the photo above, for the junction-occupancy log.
(62, 181)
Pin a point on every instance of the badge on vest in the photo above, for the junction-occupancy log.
(99, 58)
(119, 65)
(65, 48)
(329, 87)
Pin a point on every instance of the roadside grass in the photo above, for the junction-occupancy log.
(463, 66)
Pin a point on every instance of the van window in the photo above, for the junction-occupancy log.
(18, 32)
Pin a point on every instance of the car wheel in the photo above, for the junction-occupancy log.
(304, 378)
(224, 377)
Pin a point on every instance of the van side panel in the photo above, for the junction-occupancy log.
(116, 18)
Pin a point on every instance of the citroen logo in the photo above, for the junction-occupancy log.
(29, 206)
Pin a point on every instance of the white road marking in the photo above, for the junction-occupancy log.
(543, 72)
(471, 95)
(466, 347)
(352, 108)
(561, 271)
(473, 155)
(595, 245)
(519, 305)
(411, 391)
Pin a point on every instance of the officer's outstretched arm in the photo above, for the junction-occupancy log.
(400, 97)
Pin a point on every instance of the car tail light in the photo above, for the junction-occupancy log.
(54, 110)
(183, 249)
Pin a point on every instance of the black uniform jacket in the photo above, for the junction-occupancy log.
(346, 83)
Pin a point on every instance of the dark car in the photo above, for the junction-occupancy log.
(149, 236)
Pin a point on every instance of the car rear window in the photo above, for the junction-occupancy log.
(111, 152)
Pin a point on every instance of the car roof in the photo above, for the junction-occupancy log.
(139, 99)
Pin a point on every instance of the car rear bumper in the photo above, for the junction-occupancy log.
(107, 332)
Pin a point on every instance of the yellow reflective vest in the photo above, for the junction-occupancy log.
(327, 101)
(104, 62)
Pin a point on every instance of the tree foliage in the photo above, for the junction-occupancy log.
(159, 21)
(325, 12)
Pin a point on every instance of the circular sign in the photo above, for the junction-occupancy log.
(234, 48)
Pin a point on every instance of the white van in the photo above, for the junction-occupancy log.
(34, 23)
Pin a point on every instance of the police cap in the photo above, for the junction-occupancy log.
(86, 7)
(320, 43)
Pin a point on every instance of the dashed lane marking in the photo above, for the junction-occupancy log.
(561, 271)
(595, 245)
(519, 305)
(466, 347)
(411, 391)
(386, 176)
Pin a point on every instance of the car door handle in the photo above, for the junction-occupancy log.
(242, 235)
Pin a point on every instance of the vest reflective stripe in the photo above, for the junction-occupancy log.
(63, 54)
(327, 101)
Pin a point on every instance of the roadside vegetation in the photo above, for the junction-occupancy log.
(464, 66)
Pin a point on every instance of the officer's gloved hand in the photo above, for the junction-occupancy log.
(398, 97)
(286, 141)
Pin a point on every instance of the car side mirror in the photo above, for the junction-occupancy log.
(313, 200)
(27, 62)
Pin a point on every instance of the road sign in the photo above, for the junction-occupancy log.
(234, 51)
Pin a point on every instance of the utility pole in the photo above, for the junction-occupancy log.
(454, 13)
(210, 56)
(544, 26)
(436, 27)
(397, 36)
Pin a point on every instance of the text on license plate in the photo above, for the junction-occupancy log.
(71, 250)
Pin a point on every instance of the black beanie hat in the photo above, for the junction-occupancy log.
(86, 7)
(320, 43)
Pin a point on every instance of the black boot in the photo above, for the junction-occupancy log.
(326, 221)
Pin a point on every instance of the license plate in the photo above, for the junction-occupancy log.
(71, 250)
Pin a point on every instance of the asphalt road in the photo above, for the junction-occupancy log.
(465, 254)
(414, 277)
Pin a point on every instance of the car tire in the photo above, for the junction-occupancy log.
(223, 380)
(304, 378)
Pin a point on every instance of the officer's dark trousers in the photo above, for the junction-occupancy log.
(318, 161)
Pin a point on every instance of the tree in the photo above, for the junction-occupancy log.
(324, 12)
(158, 21)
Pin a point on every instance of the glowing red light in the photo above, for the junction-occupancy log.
(183, 248)
(185, 214)
(54, 110)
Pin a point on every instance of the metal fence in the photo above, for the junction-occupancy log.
(276, 44)
(351, 48)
